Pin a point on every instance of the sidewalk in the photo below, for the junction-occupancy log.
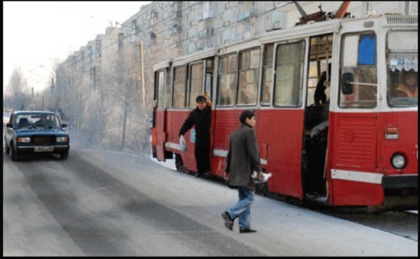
(283, 229)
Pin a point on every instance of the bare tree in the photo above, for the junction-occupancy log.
(123, 86)
(18, 91)
(53, 95)
(98, 116)
(72, 89)
(79, 103)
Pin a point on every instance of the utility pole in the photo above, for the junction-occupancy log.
(142, 74)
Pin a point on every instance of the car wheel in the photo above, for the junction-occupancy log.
(15, 153)
(64, 156)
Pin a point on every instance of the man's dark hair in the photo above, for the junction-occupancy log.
(200, 99)
(246, 114)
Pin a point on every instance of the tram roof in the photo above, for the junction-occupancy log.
(194, 56)
(296, 32)
(163, 64)
(300, 31)
(325, 27)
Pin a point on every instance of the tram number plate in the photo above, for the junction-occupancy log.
(43, 149)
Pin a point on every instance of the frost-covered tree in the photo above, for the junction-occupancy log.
(122, 87)
(17, 95)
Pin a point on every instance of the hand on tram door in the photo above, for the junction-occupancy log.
(260, 177)
(182, 143)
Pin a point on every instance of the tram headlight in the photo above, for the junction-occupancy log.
(398, 161)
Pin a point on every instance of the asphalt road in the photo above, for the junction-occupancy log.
(104, 203)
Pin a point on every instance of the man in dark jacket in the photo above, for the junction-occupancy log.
(201, 118)
(243, 158)
(319, 96)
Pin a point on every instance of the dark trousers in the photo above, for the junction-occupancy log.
(202, 155)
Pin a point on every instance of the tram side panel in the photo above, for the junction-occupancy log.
(406, 124)
(360, 157)
(160, 134)
(175, 119)
(279, 135)
(354, 177)
(398, 134)
(225, 123)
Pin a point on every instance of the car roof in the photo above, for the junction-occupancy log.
(31, 112)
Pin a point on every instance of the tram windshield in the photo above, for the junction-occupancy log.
(402, 69)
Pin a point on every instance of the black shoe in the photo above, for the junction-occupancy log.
(246, 230)
(228, 221)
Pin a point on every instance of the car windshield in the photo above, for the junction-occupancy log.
(33, 120)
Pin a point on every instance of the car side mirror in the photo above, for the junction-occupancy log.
(346, 83)
(63, 125)
(9, 125)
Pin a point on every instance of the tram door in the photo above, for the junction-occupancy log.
(200, 82)
(316, 114)
(159, 115)
(355, 126)
(280, 127)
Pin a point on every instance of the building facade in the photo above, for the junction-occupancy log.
(164, 30)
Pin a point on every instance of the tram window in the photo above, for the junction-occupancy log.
(403, 87)
(266, 89)
(267, 74)
(226, 88)
(196, 83)
(402, 63)
(248, 77)
(209, 65)
(208, 85)
(312, 81)
(364, 88)
(289, 74)
(168, 95)
(179, 87)
(364, 85)
(161, 88)
(367, 49)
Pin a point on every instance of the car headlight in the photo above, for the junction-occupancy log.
(398, 161)
(62, 139)
(23, 139)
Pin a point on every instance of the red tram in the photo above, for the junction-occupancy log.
(367, 152)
